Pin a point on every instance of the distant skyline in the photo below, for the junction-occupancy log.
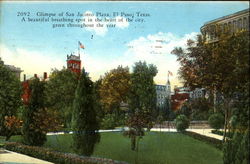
(38, 47)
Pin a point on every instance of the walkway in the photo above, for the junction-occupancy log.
(9, 157)
(205, 132)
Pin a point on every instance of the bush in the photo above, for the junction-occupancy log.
(108, 122)
(57, 157)
(182, 123)
(216, 121)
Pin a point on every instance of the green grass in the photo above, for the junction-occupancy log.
(155, 148)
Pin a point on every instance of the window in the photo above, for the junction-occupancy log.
(234, 26)
(245, 23)
(239, 25)
(230, 27)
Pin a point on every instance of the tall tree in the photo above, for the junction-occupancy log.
(220, 67)
(114, 88)
(60, 93)
(142, 101)
(84, 119)
(32, 132)
(10, 96)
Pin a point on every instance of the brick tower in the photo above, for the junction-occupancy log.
(74, 63)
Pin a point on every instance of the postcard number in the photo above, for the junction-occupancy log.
(23, 13)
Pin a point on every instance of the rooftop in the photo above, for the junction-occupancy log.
(73, 57)
(14, 69)
(228, 16)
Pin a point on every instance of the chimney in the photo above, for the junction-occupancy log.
(45, 75)
(35, 75)
(24, 77)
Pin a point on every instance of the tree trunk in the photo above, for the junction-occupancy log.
(133, 144)
(137, 150)
(225, 125)
(215, 96)
(227, 105)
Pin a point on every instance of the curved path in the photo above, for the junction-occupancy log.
(9, 157)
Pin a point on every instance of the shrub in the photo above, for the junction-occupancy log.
(216, 120)
(109, 121)
(182, 123)
(57, 157)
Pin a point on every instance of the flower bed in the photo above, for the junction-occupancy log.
(56, 157)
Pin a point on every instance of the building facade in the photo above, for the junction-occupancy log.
(74, 63)
(163, 92)
(227, 24)
(197, 93)
(180, 96)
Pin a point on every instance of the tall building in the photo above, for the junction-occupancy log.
(230, 23)
(74, 63)
(163, 92)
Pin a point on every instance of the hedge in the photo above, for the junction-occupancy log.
(209, 140)
(221, 133)
(56, 157)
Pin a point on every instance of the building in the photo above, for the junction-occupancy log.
(16, 70)
(162, 92)
(227, 24)
(26, 87)
(197, 93)
(180, 96)
(74, 63)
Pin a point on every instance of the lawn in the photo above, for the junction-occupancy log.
(155, 148)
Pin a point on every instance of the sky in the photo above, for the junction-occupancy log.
(38, 47)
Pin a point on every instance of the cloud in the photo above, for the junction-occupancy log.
(99, 26)
(160, 43)
(156, 49)
(31, 62)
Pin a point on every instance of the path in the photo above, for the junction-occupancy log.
(205, 132)
(9, 157)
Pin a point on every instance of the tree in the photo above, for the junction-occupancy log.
(60, 92)
(33, 134)
(216, 121)
(142, 101)
(114, 88)
(182, 123)
(97, 101)
(13, 124)
(200, 109)
(10, 96)
(220, 67)
(84, 120)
